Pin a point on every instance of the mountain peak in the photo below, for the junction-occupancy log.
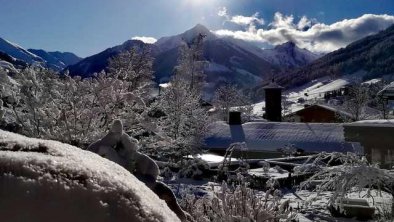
(286, 45)
(289, 55)
(195, 31)
(200, 28)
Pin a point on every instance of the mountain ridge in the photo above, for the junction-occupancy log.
(373, 56)
(17, 55)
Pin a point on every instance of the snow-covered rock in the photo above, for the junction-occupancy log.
(44, 180)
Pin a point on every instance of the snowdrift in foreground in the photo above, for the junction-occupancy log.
(49, 181)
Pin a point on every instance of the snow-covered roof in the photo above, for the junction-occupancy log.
(375, 122)
(270, 136)
(273, 85)
(51, 181)
(388, 90)
(331, 108)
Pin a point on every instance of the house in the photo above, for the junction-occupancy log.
(377, 138)
(388, 92)
(319, 113)
(266, 139)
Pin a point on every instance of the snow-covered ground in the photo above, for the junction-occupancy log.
(272, 173)
(44, 180)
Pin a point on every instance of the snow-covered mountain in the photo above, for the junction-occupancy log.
(18, 52)
(229, 60)
(372, 57)
(98, 62)
(14, 54)
(289, 55)
(56, 60)
(170, 42)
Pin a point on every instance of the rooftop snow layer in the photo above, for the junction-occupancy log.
(269, 136)
(388, 90)
(44, 180)
(374, 123)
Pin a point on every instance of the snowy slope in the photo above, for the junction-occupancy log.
(56, 60)
(312, 91)
(170, 42)
(288, 55)
(44, 180)
(18, 52)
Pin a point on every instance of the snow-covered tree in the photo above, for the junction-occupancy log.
(87, 106)
(191, 63)
(286, 105)
(133, 66)
(78, 111)
(356, 101)
(33, 96)
(184, 119)
(227, 97)
(377, 100)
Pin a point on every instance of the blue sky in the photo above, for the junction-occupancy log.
(86, 27)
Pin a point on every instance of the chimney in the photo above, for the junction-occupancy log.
(234, 118)
(273, 102)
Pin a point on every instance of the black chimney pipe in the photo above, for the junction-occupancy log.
(273, 102)
(234, 118)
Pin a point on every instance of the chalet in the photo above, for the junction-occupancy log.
(319, 113)
(388, 92)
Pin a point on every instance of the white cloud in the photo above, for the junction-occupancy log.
(222, 12)
(247, 20)
(149, 40)
(317, 37)
(304, 23)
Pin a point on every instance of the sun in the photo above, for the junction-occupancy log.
(198, 2)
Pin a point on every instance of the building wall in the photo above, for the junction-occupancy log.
(316, 114)
(377, 140)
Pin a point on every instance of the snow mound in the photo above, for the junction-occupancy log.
(44, 180)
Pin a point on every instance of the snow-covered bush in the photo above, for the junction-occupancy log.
(265, 165)
(240, 149)
(354, 174)
(238, 203)
(193, 168)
